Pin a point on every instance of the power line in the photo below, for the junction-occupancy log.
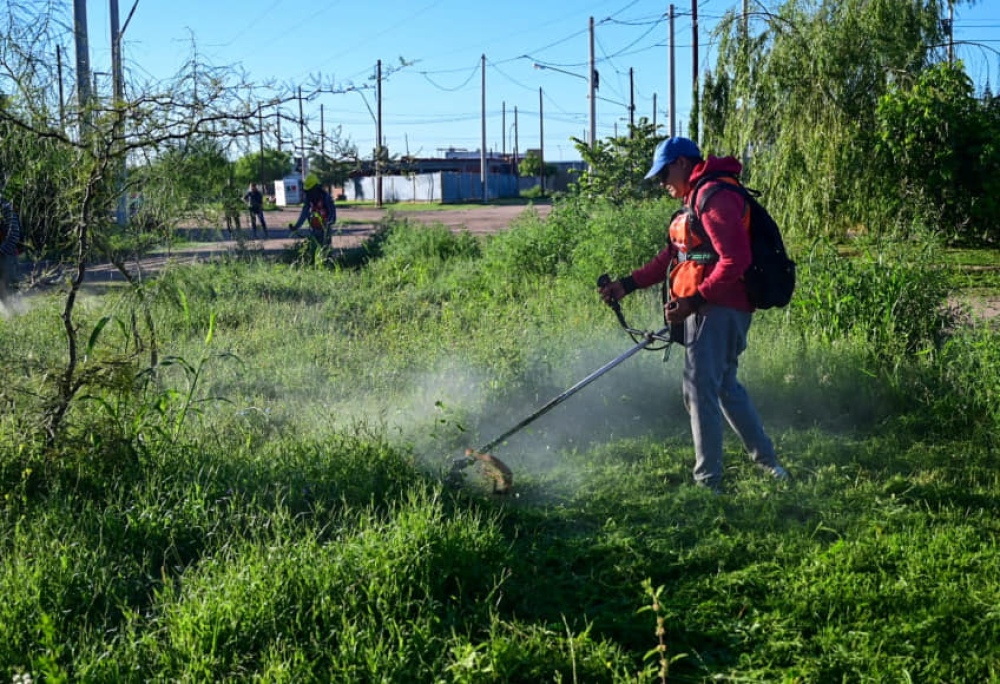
(253, 23)
(610, 54)
(387, 29)
(472, 74)
(510, 78)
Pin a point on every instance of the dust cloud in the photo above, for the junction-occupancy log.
(16, 305)
(459, 406)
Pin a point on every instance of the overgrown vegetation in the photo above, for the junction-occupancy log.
(243, 506)
(245, 482)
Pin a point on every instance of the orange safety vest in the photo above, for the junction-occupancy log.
(694, 250)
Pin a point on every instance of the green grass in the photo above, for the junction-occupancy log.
(267, 502)
(973, 271)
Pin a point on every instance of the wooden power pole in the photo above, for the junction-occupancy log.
(82, 59)
(695, 101)
(541, 142)
(378, 134)
(672, 102)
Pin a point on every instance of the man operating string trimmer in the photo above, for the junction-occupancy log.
(704, 261)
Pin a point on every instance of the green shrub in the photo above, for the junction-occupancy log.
(619, 239)
(582, 239)
(534, 192)
(410, 242)
(956, 391)
(531, 245)
(894, 301)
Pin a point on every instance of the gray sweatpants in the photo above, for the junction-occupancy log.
(714, 340)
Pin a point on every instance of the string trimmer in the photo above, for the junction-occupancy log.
(496, 470)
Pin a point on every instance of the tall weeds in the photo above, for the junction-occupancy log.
(283, 517)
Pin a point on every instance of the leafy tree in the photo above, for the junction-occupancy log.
(276, 165)
(938, 143)
(335, 160)
(198, 167)
(532, 165)
(26, 175)
(330, 171)
(617, 165)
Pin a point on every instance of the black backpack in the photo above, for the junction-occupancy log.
(770, 278)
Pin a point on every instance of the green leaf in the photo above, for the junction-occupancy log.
(211, 329)
(96, 333)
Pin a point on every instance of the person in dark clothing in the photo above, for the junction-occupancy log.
(708, 300)
(231, 209)
(318, 209)
(255, 202)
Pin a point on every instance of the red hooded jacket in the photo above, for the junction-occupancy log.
(722, 219)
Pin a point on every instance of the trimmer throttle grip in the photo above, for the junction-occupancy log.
(602, 281)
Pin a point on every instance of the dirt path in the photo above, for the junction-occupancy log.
(354, 225)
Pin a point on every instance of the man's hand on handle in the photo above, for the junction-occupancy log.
(677, 310)
(612, 292)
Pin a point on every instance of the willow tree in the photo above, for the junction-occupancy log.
(796, 91)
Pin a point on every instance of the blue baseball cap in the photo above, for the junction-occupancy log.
(669, 150)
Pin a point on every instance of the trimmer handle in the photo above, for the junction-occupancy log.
(603, 280)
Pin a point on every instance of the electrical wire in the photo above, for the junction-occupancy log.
(511, 79)
(427, 77)
(367, 40)
(253, 23)
(609, 53)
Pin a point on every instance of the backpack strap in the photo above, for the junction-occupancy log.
(700, 199)
(718, 184)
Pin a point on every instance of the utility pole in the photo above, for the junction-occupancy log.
(277, 120)
(695, 108)
(118, 97)
(482, 145)
(593, 91)
(82, 61)
(322, 133)
(117, 83)
(378, 134)
(951, 32)
(516, 160)
(302, 139)
(260, 124)
(654, 113)
(631, 102)
(541, 142)
(672, 103)
(62, 105)
(503, 129)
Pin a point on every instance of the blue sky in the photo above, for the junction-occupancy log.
(436, 102)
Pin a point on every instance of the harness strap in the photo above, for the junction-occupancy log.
(699, 256)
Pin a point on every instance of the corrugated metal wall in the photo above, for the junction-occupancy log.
(433, 187)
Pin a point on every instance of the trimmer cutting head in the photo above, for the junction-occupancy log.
(489, 467)
(495, 470)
